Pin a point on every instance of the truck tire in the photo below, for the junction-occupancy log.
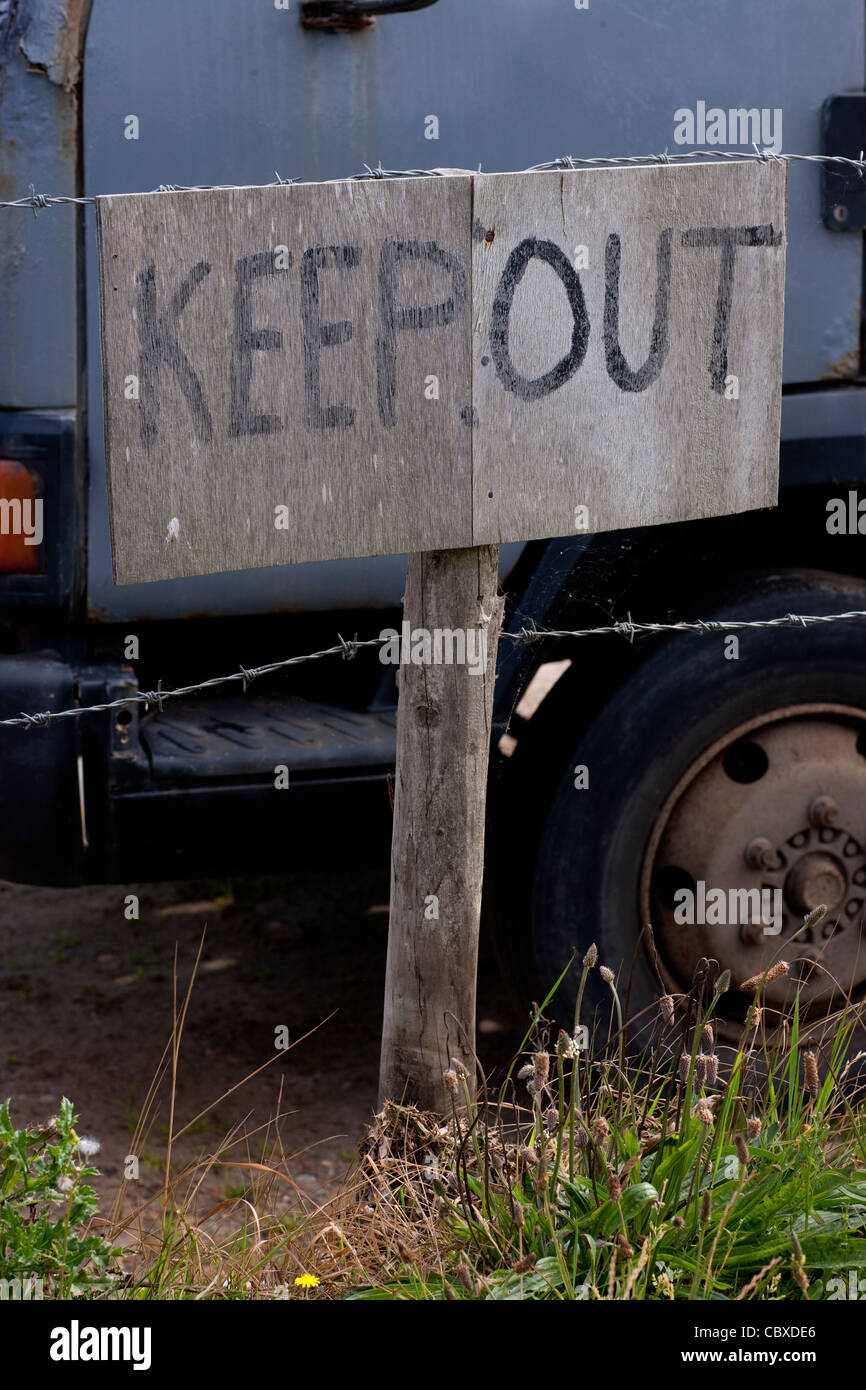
(740, 765)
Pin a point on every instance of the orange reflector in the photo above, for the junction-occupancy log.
(20, 520)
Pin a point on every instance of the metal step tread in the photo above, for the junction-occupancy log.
(247, 736)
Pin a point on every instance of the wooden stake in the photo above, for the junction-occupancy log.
(437, 857)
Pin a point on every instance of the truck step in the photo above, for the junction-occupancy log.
(248, 736)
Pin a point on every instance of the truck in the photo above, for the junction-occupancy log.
(628, 771)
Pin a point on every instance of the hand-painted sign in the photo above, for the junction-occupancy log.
(304, 372)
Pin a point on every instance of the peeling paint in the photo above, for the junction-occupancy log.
(52, 38)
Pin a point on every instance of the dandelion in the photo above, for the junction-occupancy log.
(306, 1281)
(775, 973)
(813, 1084)
(666, 1009)
(591, 957)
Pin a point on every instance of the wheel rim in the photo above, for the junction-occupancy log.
(777, 807)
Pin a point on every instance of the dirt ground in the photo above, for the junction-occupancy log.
(86, 1009)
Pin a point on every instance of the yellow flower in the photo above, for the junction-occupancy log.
(307, 1281)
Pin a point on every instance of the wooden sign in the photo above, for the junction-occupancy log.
(306, 372)
(287, 373)
(627, 346)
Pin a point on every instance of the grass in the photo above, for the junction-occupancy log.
(697, 1171)
(712, 1164)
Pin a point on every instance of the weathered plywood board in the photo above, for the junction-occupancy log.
(287, 373)
(308, 372)
(588, 418)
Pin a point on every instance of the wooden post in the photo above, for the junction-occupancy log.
(443, 742)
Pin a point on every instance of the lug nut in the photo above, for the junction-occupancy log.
(823, 812)
(761, 853)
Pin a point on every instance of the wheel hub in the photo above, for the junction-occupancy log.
(768, 825)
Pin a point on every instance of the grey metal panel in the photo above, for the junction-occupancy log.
(832, 414)
(229, 94)
(38, 129)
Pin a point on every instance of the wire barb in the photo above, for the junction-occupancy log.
(349, 648)
(37, 201)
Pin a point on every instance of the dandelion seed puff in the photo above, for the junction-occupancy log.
(89, 1147)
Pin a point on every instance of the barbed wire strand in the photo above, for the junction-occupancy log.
(39, 201)
(348, 648)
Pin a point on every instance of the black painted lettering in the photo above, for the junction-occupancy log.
(535, 388)
(728, 238)
(158, 348)
(617, 367)
(397, 318)
(318, 335)
(248, 338)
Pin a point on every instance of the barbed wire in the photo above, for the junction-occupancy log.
(39, 201)
(349, 647)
